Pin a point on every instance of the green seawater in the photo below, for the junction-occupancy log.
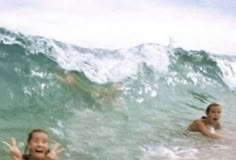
(145, 120)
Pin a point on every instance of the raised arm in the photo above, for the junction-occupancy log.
(54, 152)
(13, 150)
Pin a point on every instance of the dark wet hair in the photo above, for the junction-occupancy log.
(30, 135)
(209, 108)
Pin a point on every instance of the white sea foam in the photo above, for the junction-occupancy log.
(169, 153)
(228, 68)
(115, 65)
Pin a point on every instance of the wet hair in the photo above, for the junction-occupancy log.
(209, 108)
(30, 135)
(26, 156)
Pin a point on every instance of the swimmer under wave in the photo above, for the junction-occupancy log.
(122, 104)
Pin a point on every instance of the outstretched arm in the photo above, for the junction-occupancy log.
(205, 131)
(13, 150)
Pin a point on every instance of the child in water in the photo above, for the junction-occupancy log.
(207, 124)
(106, 92)
(36, 149)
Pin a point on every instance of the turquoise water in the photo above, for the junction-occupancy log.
(161, 90)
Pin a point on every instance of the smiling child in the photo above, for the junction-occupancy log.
(37, 147)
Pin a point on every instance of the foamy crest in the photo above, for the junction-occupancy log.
(153, 55)
(112, 65)
(99, 65)
(228, 68)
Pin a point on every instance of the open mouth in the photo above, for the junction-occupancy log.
(39, 151)
(215, 119)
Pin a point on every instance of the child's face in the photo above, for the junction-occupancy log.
(38, 145)
(214, 114)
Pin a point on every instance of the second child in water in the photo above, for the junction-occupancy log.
(209, 123)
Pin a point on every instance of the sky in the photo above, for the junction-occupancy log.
(191, 24)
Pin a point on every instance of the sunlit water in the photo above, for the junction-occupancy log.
(162, 89)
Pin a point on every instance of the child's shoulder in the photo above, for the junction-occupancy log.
(197, 121)
(195, 125)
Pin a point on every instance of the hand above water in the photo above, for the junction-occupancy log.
(54, 152)
(13, 149)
